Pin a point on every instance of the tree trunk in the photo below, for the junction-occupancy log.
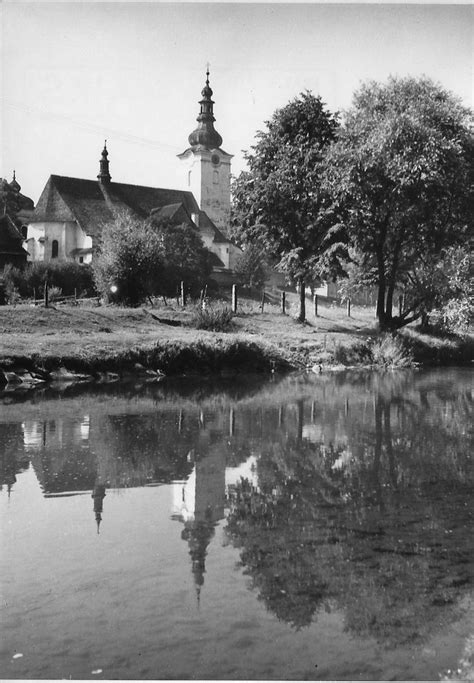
(389, 301)
(381, 304)
(380, 311)
(302, 311)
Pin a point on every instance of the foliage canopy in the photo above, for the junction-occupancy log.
(279, 203)
(401, 176)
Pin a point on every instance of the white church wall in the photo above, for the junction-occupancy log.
(68, 235)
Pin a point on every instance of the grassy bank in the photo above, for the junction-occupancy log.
(111, 339)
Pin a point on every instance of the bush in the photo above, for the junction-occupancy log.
(390, 351)
(354, 354)
(66, 276)
(55, 293)
(212, 318)
(149, 258)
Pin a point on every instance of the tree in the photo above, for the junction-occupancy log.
(250, 267)
(131, 258)
(279, 203)
(401, 176)
(142, 258)
(185, 258)
(445, 288)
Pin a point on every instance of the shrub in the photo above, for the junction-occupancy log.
(353, 354)
(130, 258)
(67, 276)
(212, 318)
(146, 258)
(54, 293)
(390, 351)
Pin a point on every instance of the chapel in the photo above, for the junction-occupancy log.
(71, 212)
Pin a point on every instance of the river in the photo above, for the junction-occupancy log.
(308, 527)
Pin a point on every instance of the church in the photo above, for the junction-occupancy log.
(67, 222)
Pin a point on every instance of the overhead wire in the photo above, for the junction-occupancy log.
(90, 127)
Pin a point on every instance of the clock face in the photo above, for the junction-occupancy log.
(215, 159)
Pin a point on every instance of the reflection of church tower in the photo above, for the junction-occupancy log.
(198, 535)
(202, 506)
(98, 494)
(207, 165)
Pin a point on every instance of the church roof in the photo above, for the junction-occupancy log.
(205, 222)
(174, 212)
(92, 204)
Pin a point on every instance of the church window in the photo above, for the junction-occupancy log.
(81, 259)
(215, 177)
(54, 249)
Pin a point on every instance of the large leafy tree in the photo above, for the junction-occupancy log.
(402, 178)
(279, 204)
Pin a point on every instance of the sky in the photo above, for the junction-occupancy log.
(76, 73)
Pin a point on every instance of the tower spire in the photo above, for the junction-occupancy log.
(205, 135)
(104, 174)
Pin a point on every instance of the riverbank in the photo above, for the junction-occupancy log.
(161, 340)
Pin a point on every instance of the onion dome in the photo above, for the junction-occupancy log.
(205, 135)
(15, 185)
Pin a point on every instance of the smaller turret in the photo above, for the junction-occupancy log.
(104, 174)
(15, 185)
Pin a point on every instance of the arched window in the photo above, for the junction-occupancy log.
(54, 249)
(24, 232)
(215, 177)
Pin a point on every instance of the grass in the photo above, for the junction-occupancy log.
(215, 318)
(110, 338)
(391, 351)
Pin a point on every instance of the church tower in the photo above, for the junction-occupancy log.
(207, 166)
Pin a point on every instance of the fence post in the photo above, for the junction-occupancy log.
(75, 295)
(283, 302)
(234, 298)
(315, 304)
(34, 295)
(263, 300)
(348, 308)
(183, 294)
(46, 295)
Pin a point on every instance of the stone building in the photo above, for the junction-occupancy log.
(68, 219)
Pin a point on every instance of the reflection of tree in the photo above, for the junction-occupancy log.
(12, 459)
(148, 447)
(377, 528)
(277, 527)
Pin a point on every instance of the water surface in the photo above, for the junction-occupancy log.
(310, 527)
